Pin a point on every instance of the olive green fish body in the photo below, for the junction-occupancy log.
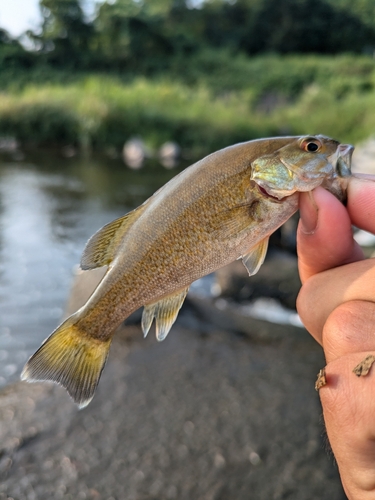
(185, 232)
(220, 209)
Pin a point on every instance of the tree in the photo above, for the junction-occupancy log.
(66, 35)
(307, 26)
(131, 35)
(12, 54)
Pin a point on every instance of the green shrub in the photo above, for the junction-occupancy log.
(270, 96)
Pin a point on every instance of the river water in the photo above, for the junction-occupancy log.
(49, 207)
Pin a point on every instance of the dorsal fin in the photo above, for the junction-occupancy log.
(255, 258)
(165, 312)
(101, 248)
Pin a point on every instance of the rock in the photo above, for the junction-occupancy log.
(221, 313)
(205, 414)
(8, 144)
(69, 151)
(84, 283)
(169, 154)
(277, 278)
(134, 153)
(211, 416)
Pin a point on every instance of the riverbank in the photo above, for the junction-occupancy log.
(225, 406)
(206, 414)
(236, 100)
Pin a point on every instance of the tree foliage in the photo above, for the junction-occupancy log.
(12, 54)
(65, 36)
(148, 36)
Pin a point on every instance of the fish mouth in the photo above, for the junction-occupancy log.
(343, 161)
(340, 162)
(265, 193)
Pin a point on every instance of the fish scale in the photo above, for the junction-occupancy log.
(222, 208)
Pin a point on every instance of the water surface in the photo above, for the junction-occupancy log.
(49, 207)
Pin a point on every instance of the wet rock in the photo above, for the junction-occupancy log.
(277, 278)
(231, 316)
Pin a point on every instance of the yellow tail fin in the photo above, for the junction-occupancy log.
(70, 358)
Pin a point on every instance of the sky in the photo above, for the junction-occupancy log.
(17, 16)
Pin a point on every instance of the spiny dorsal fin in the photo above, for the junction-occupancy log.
(255, 258)
(101, 248)
(165, 312)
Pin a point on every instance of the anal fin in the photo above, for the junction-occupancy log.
(255, 258)
(165, 312)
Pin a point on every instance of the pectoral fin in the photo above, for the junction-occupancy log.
(102, 247)
(255, 258)
(165, 312)
(234, 221)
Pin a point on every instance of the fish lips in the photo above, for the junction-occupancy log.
(343, 160)
(273, 194)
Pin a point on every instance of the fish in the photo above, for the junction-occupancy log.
(222, 208)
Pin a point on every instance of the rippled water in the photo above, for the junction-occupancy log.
(49, 207)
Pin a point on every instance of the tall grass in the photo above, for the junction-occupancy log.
(99, 111)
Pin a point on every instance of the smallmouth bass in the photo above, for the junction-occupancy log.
(220, 209)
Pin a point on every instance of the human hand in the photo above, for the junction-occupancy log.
(337, 306)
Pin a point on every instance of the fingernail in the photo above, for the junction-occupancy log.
(308, 212)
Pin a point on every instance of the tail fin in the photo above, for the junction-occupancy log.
(70, 358)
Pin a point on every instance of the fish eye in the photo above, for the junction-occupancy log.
(312, 146)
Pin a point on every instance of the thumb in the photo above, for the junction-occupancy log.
(324, 236)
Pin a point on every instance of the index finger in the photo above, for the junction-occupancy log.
(361, 201)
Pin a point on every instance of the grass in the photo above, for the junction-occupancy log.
(290, 95)
(103, 112)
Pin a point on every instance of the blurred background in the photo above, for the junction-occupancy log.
(101, 103)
